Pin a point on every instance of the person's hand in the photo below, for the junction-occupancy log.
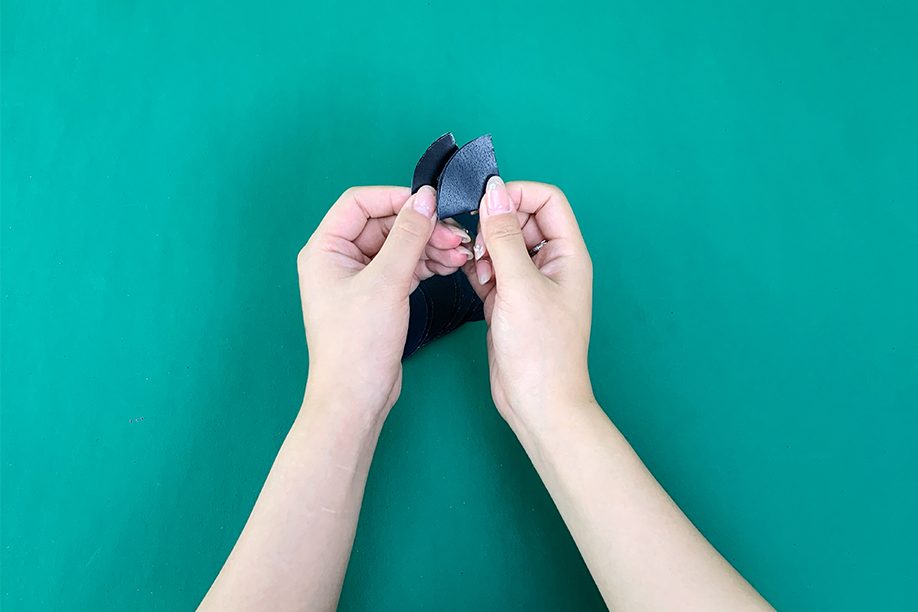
(537, 307)
(371, 250)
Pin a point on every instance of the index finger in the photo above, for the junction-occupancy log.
(350, 213)
(548, 206)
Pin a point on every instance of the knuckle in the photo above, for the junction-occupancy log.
(556, 192)
(503, 230)
(413, 229)
(302, 257)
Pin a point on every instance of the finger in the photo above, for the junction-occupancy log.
(532, 233)
(374, 233)
(548, 207)
(349, 215)
(480, 249)
(448, 257)
(426, 268)
(453, 226)
(484, 271)
(400, 253)
(483, 290)
(551, 219)
(503, 233)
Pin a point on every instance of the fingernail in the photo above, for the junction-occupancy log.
(479, 245)
(464, 235)
(425, 201)
(466, 252)
(498, 200)
(484, 272)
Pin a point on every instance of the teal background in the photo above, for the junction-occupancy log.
(745, 175)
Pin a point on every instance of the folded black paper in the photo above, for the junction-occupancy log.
(441, 304)
(430, 166)
(464, 178)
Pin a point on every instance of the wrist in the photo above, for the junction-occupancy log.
(546, 420)
(337, 398)
(543, 409)
(330, 420)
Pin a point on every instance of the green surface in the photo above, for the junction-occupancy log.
(745, 174)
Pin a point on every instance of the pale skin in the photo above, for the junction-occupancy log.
(372, 249)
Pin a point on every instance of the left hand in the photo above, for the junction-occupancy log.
(368, 254)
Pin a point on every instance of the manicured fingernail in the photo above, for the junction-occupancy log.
(484, 272)
(479, 247)
(425, 201)
(466, 252)
(464, 235)
(498, 200)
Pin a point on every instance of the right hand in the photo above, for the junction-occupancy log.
(538, 308)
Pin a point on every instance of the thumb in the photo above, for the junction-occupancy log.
(405, 243)
(503, 235)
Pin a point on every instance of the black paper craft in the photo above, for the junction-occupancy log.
(464, 177)
(441, 304)
(430, 166)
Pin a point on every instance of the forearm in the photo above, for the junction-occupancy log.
(641, 549)
(293, 552)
